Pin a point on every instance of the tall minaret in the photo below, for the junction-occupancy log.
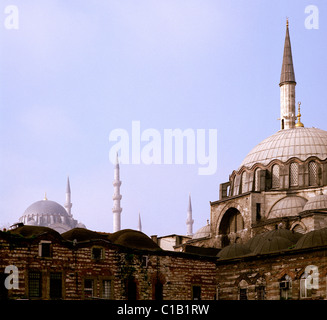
(116, 210)
(189, 221)
(287, 86)
(68, 203)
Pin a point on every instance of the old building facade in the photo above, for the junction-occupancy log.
(38, 263)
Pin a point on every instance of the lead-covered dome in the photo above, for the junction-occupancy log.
(50, 214)
(45, 207)
(300, 143)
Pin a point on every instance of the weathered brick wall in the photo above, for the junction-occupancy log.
(177, 272)
(271, 268)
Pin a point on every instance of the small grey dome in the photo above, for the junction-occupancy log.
(316, 203)
(313, 238)
(301, 143)
(288, 206)
(203, 232)
(272, 244)
(234, 250)
(284, 233)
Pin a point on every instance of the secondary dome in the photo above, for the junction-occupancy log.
(45, 207)
(234, 250)
(316, 203)
(133, 239)
(313, 239)
(203, 232)
(288, 206)
(47, 213)
(301, 143)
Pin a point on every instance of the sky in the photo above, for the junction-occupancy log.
(75, 73)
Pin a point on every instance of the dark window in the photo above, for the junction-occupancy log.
(34, 285)
(158, 293)
(243, 294)
(55, 285)
(131, 290)
(88, 288)
(45, 249)
(97, 253)
(258, 211)
(196, 292)
(3, 289)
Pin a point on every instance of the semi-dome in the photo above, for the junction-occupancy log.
(300, 143)
(288, 206)
(318, 202)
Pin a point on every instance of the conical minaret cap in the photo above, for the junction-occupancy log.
(287, 73)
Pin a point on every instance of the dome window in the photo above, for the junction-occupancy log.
(257, 179)
(294, 174)
(275, 176)
(313, 173)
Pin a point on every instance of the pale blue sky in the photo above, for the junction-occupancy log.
(76, 70)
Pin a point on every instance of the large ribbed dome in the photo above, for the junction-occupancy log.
(301, 143)
(45, 207)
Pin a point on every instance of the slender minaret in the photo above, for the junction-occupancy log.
(189, 221)
(139, 227)
(116, 210)
(287, 86)
(68, 203)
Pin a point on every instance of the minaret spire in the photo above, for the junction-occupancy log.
(287, 85)
(139, 227)
(68, 203)
(189, 221)
(116, 210)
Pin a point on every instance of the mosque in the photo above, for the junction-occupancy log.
(281, 183)
(266, 238)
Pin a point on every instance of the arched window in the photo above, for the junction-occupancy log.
(294, 174)
(244, 182)
(260, 289)
(275, 176)
(257, 179)
(285, 286)
(305, 286)
(243, 290)
(232, 221)
(313, 173)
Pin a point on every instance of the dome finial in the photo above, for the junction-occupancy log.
(45, 196)
(299, 124)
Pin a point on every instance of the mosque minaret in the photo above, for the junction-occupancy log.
(116, 210)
